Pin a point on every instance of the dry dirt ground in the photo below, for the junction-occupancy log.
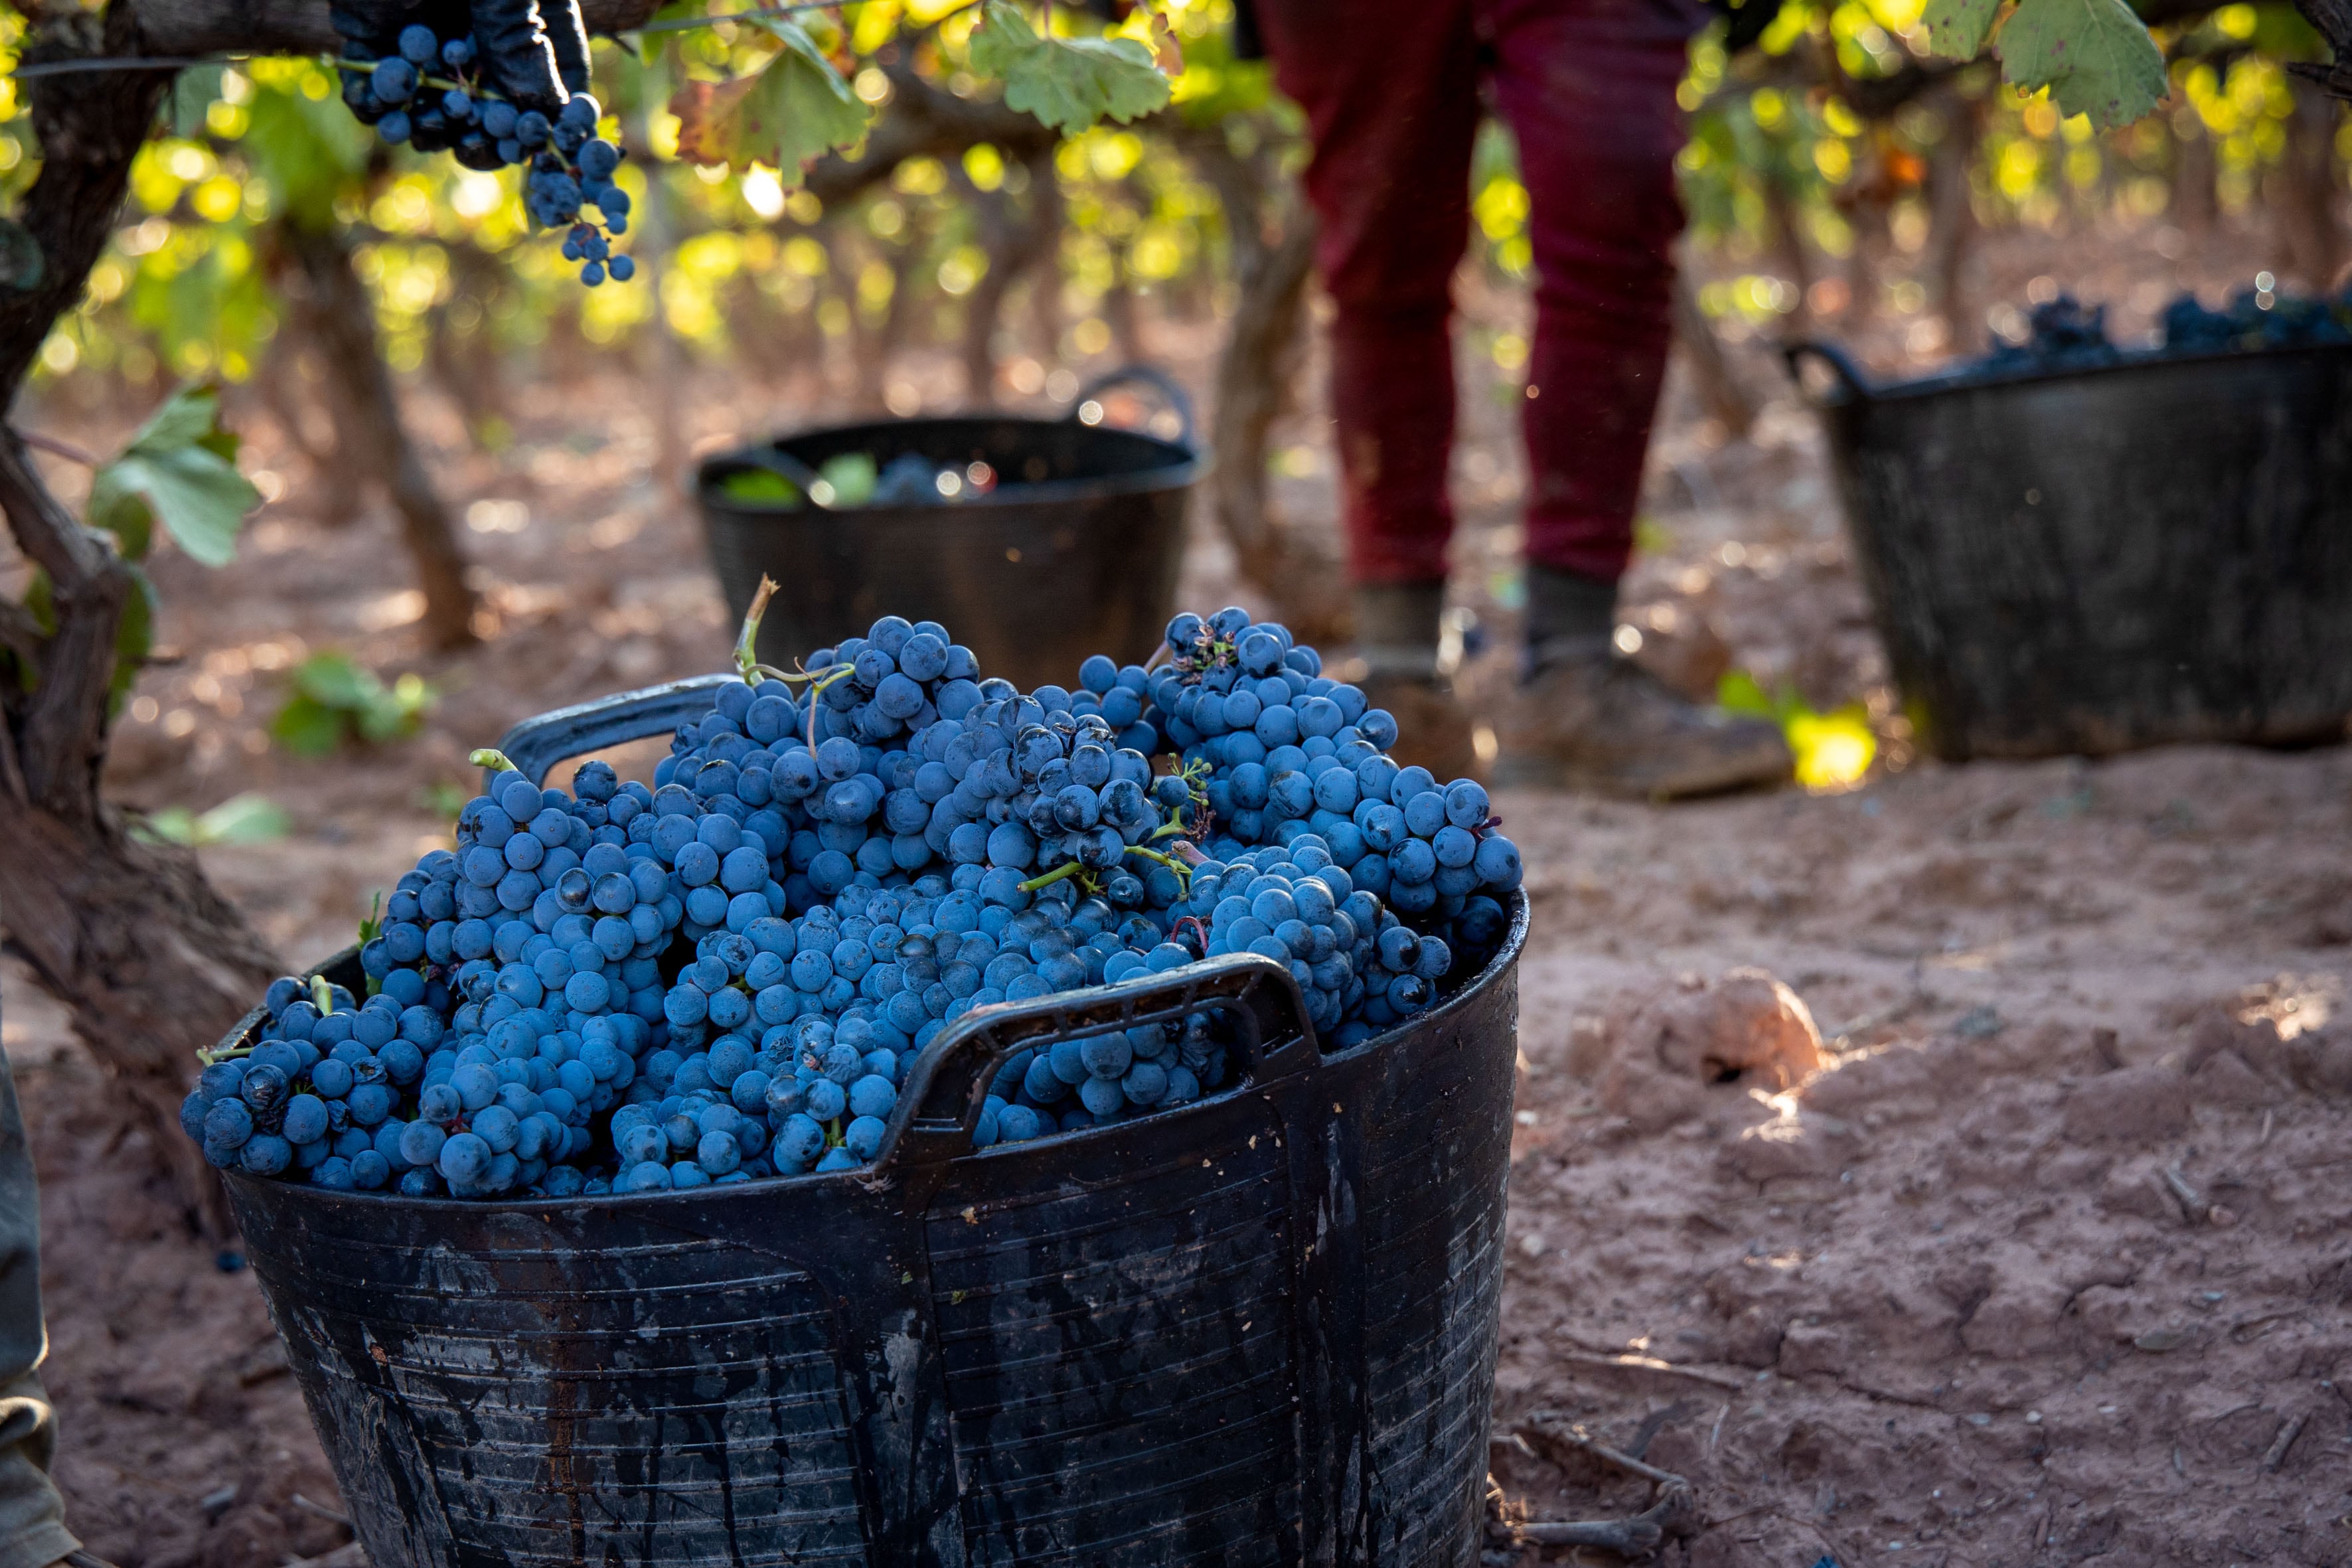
(2037, 1250)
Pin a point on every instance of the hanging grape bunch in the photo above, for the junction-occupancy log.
(498, 84)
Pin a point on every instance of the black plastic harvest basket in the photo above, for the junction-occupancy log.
(1260, 1329)
(1076, 552)
(2108, 556)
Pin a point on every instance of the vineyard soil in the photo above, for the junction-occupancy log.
(2037, 1258)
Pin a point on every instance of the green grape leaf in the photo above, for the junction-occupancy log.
(1959, 29)
(134, 637)
(22, 266)
(790, 112)
(1067, 83)
(180, 469)
(310, 151)
(2094, 55)
(192, 91)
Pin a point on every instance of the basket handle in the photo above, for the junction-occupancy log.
(1849, 377)
(1150, 375)
(940, 1105)
(536, 746)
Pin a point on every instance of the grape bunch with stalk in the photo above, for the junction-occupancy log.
(496, 84)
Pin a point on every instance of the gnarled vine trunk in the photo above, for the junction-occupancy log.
(151, 960)
(1019, 237)
(338, 315)
(1271, 233)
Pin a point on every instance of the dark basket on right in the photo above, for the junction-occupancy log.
(2100, 558)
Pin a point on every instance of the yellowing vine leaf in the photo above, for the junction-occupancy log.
(2094, 55)
(1165, 52)
(790, 112)
(1067, 84)
(180, 469)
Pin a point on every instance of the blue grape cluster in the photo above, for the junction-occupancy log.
(2246, 323)
(2065, 332)
(433, 93)
(730, 975)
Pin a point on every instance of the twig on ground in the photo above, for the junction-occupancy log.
(350, 1554)
(2282, 1442)
(1552, 1426)
(1669, 1518)
(1641, 1363)
(1672, 1514)
(331, 1515)
(1842, 1040)
(2193, 1207)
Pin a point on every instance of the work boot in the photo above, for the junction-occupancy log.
(1395, 664)
(1590, 719)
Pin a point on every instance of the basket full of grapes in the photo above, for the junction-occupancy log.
(926, 1120)
(2077, 547)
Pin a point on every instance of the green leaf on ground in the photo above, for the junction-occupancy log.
(308, 728)
(790, 112)
(180, 469)
(1834, 750)
(245, 818)
(336, 696)
(337, 680)
(2094, 55)
(1067, 84)
(1959, 29)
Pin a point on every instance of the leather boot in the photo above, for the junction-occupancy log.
(1590, 718)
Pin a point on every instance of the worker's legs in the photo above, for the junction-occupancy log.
(1587, 89)
(1389, 88)
(32, 1521)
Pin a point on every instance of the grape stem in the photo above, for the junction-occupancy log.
(1068, 868)
(323, 995)
(826, 677)
(747, 661)
(492, 758)
(444, 83)
(1183, 872)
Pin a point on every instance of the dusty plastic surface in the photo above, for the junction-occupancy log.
(2106, 557)
(1078, 556)
(1258, 1329)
